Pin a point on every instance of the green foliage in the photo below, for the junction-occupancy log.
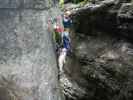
(61, 3)
(49, 3)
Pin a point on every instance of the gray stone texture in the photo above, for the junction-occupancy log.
(28, 69)
(40, 4)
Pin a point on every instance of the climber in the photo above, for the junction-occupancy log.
(62, 59)
(67, 22)
(66, 40)
(57, 34)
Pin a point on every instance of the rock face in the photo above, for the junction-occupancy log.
(29, 4)
(104, 52)
(106, 62)
(28, 69)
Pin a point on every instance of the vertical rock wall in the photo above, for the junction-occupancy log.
(28, 69)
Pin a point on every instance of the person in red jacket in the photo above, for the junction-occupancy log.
(57, 35)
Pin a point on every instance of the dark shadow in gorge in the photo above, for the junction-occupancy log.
(104, 21)
(102, 45)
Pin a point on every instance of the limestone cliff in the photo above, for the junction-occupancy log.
(28, 69)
